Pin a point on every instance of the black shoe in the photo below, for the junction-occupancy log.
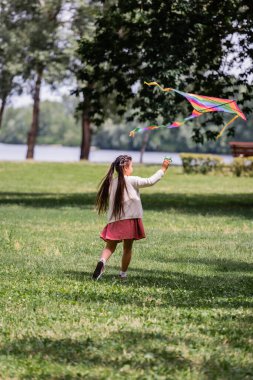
(99, 270)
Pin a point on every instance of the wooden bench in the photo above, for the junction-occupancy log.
(241, 149)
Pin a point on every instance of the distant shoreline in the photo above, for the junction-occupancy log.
(59, 153)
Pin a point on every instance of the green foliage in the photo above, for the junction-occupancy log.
(57, 124)
(200, 163)
(12, 48)
(15, 125)
(164, 41)
(45, 46)
(30, 41)
(243, 166)
(84, 15)
(185, 311)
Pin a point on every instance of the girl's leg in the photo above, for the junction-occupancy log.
(105, 255)
(127, 254)
(108, 250)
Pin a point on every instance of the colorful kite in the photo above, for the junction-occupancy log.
(201, 105)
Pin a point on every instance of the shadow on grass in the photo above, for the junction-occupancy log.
(48, 200)
(212, 204)
(124, 348)
(179, 289)
(219, 265)
(123, 353)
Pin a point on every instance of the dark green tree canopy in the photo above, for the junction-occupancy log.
(181, 44)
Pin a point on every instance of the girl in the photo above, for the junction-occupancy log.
(121, 197)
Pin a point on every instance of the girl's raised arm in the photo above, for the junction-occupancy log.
(140, 182)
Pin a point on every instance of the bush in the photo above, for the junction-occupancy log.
(243, 166)
(201, 163)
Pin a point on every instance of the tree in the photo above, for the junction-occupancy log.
(171, 42)
(51, 31)
(46, 57)
(83, 24)
(12, 50)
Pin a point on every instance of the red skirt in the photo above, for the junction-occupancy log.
(124, 230)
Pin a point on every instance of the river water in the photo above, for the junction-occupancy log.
(55, 153)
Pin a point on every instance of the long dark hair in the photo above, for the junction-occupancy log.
(102, 198)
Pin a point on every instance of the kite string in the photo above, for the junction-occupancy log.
(225, 126)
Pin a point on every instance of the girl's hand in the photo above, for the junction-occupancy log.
(166, 164)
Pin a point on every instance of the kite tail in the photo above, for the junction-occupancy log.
(167, 89)
(150, 128)
(225, 126)
(175, 124)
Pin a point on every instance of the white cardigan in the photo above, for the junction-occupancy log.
(132, 202)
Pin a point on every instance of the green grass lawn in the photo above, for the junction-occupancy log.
(185, 311)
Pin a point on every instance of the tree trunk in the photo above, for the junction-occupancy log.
(86, 135)
(2, 109)
(144, 145)
(32, 134)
